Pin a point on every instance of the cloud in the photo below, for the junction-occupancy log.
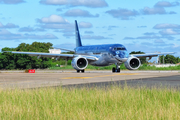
(111, 27)
(55, 22)
(8, 25)
(142, 26)
(30, 29)
(159, 8)
(94, 37)
(41, 37)
(159, 41)
(166, 4)
(149, 47)
(85, 25)
(150, 33)
(79, 13)
(122, 13)
(74, 3)
(167, 26)
(66, 27)
(58, 26)
(169, 32)
(172, 12)
(149, 37)
(6, 35)
(69, 46)
(11, 1)
(129, 38)
(155, 10)
(52, 19)
(88, 32)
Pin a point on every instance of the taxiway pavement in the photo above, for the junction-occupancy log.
(44, 78)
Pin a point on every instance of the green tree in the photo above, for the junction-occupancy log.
(169, 59)
(22, 61)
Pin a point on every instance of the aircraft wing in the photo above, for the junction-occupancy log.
(64, 56)
(151, 54)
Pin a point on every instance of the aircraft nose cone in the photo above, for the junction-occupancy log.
(122, 54)
(121, 59)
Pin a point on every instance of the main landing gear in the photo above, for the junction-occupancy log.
(80, 71)
(117, 69)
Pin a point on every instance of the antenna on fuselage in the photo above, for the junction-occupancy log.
(78, 37)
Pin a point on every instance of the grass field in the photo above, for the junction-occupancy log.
(142, 67)
(90, 103)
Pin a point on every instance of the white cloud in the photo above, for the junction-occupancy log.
(169, 32)
(30, 29)
(159, 41)
(8, 25)
(53, 19)
(159, 8)
(69, 46)
(6, 35)
(85, 25)
(58, 26)
(11, 1)
(149, 37)
(167, 26)
(79, 13)
(155, 10)
(94, 37)
(122, 13)
(86, 3)
(166, 4)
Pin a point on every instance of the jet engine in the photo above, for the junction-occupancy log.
(132, 63)
(79, 63)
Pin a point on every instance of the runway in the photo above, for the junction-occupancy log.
(48, 78)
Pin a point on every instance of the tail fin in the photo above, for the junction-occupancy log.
(78, 38)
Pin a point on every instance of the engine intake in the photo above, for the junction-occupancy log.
(79, 63)
(132, 63)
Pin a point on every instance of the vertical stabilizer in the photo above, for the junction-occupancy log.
(78, 38)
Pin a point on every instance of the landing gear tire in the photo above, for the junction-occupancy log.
(78, 71)
(113, 69)
(82, 71)
(118, 70)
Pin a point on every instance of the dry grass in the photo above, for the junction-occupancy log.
(90, 103)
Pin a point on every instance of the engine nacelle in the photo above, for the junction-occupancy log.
(79, 63)
(132, 63)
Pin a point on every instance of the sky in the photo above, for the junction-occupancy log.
(147, 26)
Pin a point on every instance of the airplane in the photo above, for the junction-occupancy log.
(97, 55)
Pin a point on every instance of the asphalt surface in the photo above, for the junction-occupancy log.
(56, 78)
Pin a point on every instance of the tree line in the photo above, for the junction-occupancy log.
(22, 61)
(10, 61)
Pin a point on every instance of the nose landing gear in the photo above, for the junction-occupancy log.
(117, 69)
(80, 71)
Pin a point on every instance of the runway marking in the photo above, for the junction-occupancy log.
(77, 77)
(100, 76)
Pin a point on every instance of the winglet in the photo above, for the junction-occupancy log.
(78, 38)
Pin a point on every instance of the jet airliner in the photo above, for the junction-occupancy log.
(98, 55)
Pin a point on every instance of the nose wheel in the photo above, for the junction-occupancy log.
(80, 71)
(117, 69)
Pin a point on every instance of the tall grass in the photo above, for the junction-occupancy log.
(90, 103)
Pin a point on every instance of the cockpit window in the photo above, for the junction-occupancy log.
(119, 48)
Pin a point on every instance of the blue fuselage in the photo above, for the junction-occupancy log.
(107, 54)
